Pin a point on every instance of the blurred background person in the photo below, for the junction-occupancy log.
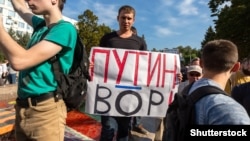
(194, 73)
(241, 93)
(195, 61)
(240, 77)
(12, 74)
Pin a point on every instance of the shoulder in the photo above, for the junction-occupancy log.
(138, 38)
(63, 33)
(62, 29)
(110, 35)
(141, 41)
(67, 26)
(221, 109)
(107, 37)
(37, 22)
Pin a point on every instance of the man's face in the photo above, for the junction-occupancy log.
(193, 76)
(126, 20)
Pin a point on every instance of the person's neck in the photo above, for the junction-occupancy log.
(53, 18)
(124, 34)
(220, 78)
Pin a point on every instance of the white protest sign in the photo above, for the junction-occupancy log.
(131, 82)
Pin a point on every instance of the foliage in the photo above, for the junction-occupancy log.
(23, 39)
(188, 53)
(233, 22)
(89, 30)
(210, 35)
(12, 33)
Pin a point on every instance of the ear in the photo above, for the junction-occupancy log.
(53, 2)
(201, 63)
(236, 67)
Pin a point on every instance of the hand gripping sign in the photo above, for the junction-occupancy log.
(131, 82)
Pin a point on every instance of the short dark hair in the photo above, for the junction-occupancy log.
(126, 8)
(61, 4)
(219, 55)
(195, 59)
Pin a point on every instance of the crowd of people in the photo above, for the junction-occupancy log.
(218, 63)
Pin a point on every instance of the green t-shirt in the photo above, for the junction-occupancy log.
(40, 78)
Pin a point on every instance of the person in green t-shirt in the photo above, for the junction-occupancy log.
(40, 115)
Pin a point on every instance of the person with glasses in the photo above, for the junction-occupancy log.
(194, 73)
(218, 109)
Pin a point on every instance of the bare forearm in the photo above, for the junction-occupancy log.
(13, 51)
(21, 8)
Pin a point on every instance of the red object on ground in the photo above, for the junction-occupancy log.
(84, 124)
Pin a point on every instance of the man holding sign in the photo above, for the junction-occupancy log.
(124, 39)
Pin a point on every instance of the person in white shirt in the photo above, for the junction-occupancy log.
(4, 71)
(1, 72)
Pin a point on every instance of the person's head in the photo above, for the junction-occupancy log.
(245, 66)
(194, 73)
(220, 56)
(34, 5)
(126, 17)
(133, 29)
(61, 4)
(195, 61)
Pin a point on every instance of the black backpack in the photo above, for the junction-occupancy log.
(73, 86)
(180, 115)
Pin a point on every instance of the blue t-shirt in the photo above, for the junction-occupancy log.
(40, 79)
(218, 109)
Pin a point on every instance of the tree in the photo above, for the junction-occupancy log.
(89, 30)
(233, 22)
(188, 53)
(23, 39)
(210, 35)
(12, 33)
(154, 50)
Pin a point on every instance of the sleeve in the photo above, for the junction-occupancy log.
(36, 21)
(103, 41)
(63, 34)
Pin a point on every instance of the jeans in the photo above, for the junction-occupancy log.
(115, 127)
(12, 78)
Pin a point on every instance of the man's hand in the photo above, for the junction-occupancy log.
(179, 76)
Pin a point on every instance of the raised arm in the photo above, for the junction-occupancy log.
(22, 9)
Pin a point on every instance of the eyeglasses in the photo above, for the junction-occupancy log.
(195, 74)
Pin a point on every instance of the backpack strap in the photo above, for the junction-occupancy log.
(204, 91)
(186, 89)
(197, 95)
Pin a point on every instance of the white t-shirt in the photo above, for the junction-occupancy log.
(4, 67)
(1, 70)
